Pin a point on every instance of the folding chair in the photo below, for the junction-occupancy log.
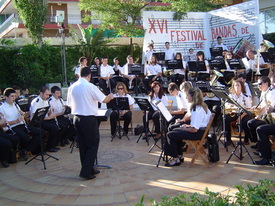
(198, 145)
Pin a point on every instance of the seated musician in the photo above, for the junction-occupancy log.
(254, 61)
(179, 73)
(181, 115)
(202, 75)
(237, 93)
(106, 81)
(121, 91)
(128, 78)
(82, 63)
(228, 73)
(264, 146)
(49, 124)
(267, 99)
(17, 125)
(8, 143)
(242, 77)
(200, 116)
(118, 77)
(156, 94)
(152, 72)
(58, 107)
(95, 68)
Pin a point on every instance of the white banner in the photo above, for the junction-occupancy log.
(199, 30)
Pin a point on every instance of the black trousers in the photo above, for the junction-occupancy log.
(67, 131)
(263, 133)
(11, 138)
(173, 146)
(155, 116)
(88, 139)
(114, 117)
(54, 135)
(214, 107)
(252, 125)
(103, 85)
(8, 142)
(244, 120)
(30, 142)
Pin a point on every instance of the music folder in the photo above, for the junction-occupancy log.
(136, 69)
(39, 115)
(238, 64)
(216, 51)
(160, 56)
(144, 104)
(196, 66)
(119, 103)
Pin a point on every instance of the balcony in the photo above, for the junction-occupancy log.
(9, 25)
(7, 7)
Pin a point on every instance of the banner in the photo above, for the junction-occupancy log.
(199, 30)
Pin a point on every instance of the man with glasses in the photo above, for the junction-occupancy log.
(267, 99)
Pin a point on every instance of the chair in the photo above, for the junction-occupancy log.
(198, 144)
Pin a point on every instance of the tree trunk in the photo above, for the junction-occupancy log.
(131, 46)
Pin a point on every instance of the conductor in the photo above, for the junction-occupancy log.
(83, 98)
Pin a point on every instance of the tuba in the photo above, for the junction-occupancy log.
(213, 82)
(266, 45)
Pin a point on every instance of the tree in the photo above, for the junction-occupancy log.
(180, 7)
(33, 13)
(120, 15)
(90, 41)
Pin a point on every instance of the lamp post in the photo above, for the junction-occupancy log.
(59, 20)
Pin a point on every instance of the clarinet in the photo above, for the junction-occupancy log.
(55, 119)
(25, 124)
(7, 124)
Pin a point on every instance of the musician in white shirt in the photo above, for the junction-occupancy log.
(200, 116)
(237, 93)
(152, 72)
(179, 73)
(169, 53)
(125, 73)
(253, 62)
(106, 81)
(220, 44)
(121, 91)
(82, 63)
(149, 53)
(267, 99)
(156, 94)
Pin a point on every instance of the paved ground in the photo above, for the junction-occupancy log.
(133, 174)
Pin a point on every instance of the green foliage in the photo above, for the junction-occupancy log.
(7, 42)
(33, 13)
(90, 42)
(119, 15)
(35, 67)
(260, 195)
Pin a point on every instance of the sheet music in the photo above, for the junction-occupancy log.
(164, 111)
(101, 112)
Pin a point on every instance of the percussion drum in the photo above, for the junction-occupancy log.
(241, 47)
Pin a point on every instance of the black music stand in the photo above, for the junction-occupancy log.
(118, 104)
(164, 115)
(197, 66)
(37, 120)
(159, 55)
(268, 56)
(236, 64)
(173, 64)
(146, 106)
(95, 71)
(217, 64)
(216, 52)
(136, 70)
(225, 98)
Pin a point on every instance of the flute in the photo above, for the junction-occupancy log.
(7, 124)
(20, 114)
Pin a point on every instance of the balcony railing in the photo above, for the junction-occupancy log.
(8, 23)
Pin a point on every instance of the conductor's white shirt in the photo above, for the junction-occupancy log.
(83, 98)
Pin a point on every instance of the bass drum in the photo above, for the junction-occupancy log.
(241, 47)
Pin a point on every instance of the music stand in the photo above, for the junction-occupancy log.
(164, 113)
(119, 104)
(217, 64)
(196, 66)
(216, 52)
(37, 120)
(174, 64)
(225, 98)
(159, 55)
(95, 71)
(236, 64)
(268, 56)
(136, 69)
(146, 106)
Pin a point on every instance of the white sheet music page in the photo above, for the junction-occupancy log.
(164, 111)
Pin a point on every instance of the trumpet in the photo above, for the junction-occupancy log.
(2, 116)
(21, 114)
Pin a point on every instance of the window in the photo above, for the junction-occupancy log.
(266, 20)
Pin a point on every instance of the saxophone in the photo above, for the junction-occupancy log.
(267, 117)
